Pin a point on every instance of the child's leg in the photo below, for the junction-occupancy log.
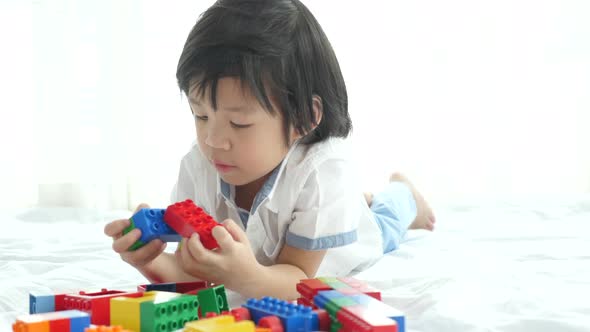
(398, 208)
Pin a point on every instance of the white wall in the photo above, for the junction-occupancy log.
(467, 97)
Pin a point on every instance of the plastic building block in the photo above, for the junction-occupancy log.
(189, 287)
(240, 314)
(168, 313)
(187, 218)
(293, 317)
(213, 299)
(125, 310)
(271, 322)
(322, 298)
(39, 303)
(306, 302)
(361, 287)
(66, 321)
(220, 324)
(308, 288)
(379, 308)
(360, 319)
(31, 323)
(152, 226)
(104, 328)
(323, 319)
(96, 304)
(334, 305)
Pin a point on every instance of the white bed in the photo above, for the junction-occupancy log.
(507, 266)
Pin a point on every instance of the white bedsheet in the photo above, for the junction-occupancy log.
(511, 266)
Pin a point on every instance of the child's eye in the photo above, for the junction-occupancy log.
(201, 117)
(240, 126)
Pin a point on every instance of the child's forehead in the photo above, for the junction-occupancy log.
(231, 93)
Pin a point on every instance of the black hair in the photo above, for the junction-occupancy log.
(277, 49)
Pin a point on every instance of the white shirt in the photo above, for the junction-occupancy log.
(312, 201)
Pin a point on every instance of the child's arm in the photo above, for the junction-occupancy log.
(293, 264)
(235, 265)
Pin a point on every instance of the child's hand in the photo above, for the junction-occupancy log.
(231, 264)
(121, 243)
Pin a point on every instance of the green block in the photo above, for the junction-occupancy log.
(334, 305)
(170, 313)
(128, 229)
(335, 326)
(327, 279)
(213, 299)
(336, 284)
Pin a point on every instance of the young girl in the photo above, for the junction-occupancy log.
(271, 160)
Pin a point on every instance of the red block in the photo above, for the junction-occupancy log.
(240, 313)
(323, 319)
(306, 302)
(358, 319)
(97, 305)
(272, 322)
(190, 286)
(59, 302)
(308, 288)
(187, 218)
(61, 325)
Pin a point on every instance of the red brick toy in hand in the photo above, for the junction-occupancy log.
(187, 218)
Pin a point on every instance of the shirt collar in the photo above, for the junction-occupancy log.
(227, 190)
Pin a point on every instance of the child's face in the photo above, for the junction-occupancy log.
(241, 139)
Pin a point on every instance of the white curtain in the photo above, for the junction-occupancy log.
(469, 98)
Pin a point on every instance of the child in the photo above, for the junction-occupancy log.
(271, 114)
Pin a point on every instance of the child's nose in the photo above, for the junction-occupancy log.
(217, 140)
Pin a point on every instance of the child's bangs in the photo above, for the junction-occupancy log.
(210, 65)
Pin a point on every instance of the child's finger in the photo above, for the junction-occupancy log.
(116, 227)
(196, 249)
(186, 260)
(123, 243)
(148, 252)
(235, 231)
(224, 238)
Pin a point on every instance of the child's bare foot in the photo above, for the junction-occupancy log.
(424, 215)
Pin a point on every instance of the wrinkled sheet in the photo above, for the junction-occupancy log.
(489, 266)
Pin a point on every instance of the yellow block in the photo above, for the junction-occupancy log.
(125, 311)
(222, 323)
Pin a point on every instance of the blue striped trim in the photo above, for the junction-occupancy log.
(326, 242)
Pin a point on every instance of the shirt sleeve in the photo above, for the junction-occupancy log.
(327, 210)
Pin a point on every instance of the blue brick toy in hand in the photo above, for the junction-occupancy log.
(152, 226)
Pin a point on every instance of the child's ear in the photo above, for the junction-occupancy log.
(318, 111)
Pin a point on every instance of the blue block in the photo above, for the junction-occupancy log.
(375, 306)
(41, 303)
(294, 318)
(78, 320)
(165, 287)
(152, 225)
(323, 297)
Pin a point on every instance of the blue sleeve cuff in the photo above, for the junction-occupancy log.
(326, 242)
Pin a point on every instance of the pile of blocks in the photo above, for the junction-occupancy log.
(336, 304)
